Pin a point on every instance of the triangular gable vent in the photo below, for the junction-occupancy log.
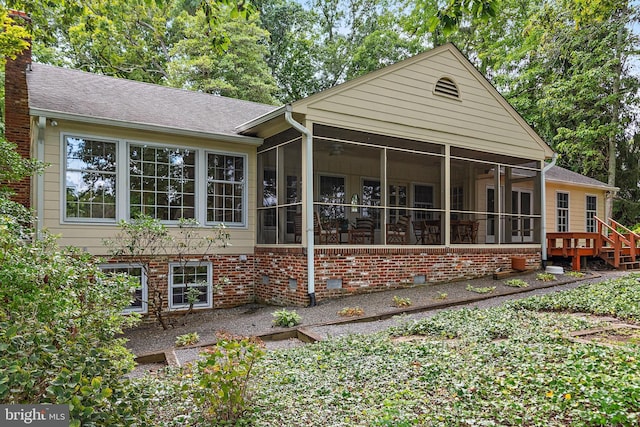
(445, 86)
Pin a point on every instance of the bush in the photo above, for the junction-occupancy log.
(286, 319)
(59, 319)
(401, 302)
(187, 339)
(223, 376)
(351, 312)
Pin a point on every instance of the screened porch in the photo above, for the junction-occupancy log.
(371, 189)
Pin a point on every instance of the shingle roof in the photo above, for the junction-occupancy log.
(96, 96)
(559, 174)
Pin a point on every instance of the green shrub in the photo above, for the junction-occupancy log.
(286, 318)
(187, 339)
(59, 319)
(516, 283)
(546, 277)
(481, 290)
(401, 302)
(223, 376)
(351, 312)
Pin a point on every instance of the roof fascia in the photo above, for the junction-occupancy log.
(249, 140)
(604, 186)
(251, 124)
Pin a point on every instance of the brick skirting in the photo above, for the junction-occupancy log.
(281, 274)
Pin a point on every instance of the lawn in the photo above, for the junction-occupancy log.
(511, 365)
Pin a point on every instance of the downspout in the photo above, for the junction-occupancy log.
(543, 194)
(308, 202)
(42, 124)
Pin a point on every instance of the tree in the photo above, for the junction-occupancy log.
(241, 72)
(144, 239)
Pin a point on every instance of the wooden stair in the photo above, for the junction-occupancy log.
(614, 243)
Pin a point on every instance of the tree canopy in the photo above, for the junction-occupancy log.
(567, 66)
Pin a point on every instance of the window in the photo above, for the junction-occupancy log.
(457, 198)
(292, 197)
(90, 179)
(162, 182)
(190, 276)
(139, 295)
(225, 188)
(332, 195)
(397, 198)
(371, 197)
(591, 208)
(423, 199)
(269, 196)
(562, 207)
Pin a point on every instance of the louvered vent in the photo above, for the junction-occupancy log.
(447, 87)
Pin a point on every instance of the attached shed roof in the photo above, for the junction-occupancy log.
(61, 92)
(565, 176)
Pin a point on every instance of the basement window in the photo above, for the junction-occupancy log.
(447, 87)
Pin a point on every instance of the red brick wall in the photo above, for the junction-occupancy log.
(366, 270)
(238, 291)
(17, 120)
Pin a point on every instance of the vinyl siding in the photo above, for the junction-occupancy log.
(90, 236)
(577, 205)
(400, 101)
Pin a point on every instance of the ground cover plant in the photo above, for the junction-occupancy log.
(510, 365)
(286, 318)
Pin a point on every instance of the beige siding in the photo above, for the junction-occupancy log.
(90, 236)
(400, 101)
(577, 205)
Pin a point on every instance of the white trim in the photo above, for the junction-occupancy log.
(143, 284)
(586, 212)
(53, 114)
(123, 180)
(557, 210)
(171, 286)
(64, 219)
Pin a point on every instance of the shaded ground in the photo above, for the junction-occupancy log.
(324, 321)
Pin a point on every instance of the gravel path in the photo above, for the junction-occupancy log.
(324, 321)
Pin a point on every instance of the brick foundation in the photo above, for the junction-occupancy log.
(364, 270)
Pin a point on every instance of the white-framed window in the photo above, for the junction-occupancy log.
(591, 212)
(107, 180)
(423, 199)
(90, 170)
(162, 182)
(332, 197)
(226, 189)
(139, 295)
(193, 275)
(562, 212)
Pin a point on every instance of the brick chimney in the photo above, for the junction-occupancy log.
(17, 120)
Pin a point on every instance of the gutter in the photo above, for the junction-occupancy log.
(543, 194)
(308, 201)
(262, 119)
(39, 152)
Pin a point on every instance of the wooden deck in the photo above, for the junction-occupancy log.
(614, 243)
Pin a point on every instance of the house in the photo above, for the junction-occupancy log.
(416, 173)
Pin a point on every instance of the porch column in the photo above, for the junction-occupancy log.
(447, 195)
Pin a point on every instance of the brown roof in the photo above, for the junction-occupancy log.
(73, 92)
